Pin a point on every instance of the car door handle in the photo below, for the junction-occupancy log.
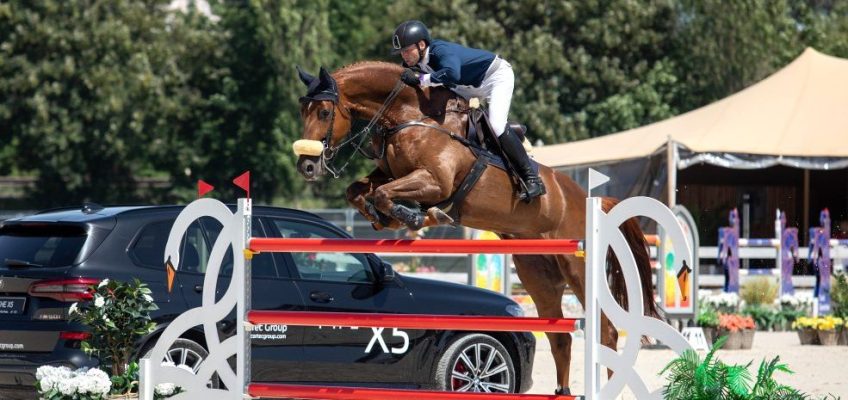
(321, 297)
(198, 288)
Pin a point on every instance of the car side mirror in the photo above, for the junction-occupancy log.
(387, 273)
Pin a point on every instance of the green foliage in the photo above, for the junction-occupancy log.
(101, 98)
(839, 296)
(117, 316)
(765, 318)
(126, 382)
(707, 317)
(691, 378)
(759, 291)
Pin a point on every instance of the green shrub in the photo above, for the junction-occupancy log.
(707, 317)
(839, 296)
(690, 378)
(759, 291)
(764, 317)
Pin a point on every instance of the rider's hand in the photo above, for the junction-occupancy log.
(410, 77)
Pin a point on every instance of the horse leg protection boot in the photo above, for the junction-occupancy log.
(413, 219)
(514, 149)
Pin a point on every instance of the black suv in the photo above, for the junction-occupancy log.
(48, 260)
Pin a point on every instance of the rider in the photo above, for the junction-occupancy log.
(470, 73)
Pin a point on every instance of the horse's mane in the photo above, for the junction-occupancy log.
(369, 64)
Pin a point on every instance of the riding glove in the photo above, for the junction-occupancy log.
(410, 77)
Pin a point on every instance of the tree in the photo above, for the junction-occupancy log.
(582, 68)
(86, 85)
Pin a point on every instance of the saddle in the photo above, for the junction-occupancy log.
(479, 129)
(481, 140)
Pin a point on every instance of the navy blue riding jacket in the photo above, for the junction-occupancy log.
(454, 64)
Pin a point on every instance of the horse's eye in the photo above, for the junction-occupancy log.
(324, 114)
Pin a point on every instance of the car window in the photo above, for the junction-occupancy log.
(149, 248)
(43, 246)
(338, 267)
(262, 265)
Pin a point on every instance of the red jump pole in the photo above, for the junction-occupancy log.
(517, 246)
(411, 321)
(271, 390)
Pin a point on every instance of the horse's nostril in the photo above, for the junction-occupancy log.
(309, 169)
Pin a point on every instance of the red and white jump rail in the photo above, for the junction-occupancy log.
(601, 233)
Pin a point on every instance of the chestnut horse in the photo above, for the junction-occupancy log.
(424, 162)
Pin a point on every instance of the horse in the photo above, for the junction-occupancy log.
(421, 159)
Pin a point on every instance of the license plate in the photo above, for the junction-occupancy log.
(12, 305)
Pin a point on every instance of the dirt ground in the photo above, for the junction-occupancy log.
(819, 370)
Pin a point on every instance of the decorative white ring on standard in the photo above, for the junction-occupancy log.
(208, 314)
(633, 320)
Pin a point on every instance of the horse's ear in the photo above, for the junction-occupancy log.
(304, 76)
(324, 75)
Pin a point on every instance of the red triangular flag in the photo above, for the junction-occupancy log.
(243, 181)
(203, 188)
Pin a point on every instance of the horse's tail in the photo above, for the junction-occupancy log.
(639, 247)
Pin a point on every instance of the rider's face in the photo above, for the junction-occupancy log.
(410, 54)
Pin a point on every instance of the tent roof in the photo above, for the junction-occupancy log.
(800, 110)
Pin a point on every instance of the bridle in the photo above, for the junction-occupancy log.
(330, 151)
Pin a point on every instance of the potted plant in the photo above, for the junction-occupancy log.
(806, 327)
(827, 329)
(708, 321)
(731, 325)
(843, 337)
(749, 328)
(117, 316)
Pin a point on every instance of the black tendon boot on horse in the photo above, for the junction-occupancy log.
(514, 149)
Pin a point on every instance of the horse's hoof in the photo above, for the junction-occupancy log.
(377, 226)
(563, 391)
(439, 216)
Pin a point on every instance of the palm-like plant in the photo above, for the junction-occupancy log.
(691, 378)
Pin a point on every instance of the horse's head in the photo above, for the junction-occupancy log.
(324, 124)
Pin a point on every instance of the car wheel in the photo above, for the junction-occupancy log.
(476, 363)
(189, 355)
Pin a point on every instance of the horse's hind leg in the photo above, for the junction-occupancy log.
(544, 282)
(574, 270)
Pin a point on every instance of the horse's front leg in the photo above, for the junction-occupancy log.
(420, 186)
(359, 192)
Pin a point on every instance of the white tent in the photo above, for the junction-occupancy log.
(798, 116)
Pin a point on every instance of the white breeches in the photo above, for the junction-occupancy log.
(496, 88)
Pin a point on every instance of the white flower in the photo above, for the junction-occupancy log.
(73, 309)
(165, 389)
(68, 387)
(103, 283)
(148, 298)
(99, 301)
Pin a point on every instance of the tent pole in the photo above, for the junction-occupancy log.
(671, 166)
(806, 210)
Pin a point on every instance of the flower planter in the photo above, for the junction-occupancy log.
(132, 396)
(843, 337)
(734, 339)
(747, 338)
(709, 334)
(829, 337)
(808, 336)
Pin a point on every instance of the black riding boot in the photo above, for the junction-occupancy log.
(514, 150)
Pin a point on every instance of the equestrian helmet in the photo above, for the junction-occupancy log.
(408, 33)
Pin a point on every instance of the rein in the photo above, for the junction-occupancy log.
(363, 135)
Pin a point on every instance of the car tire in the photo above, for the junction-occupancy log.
(476, 363)
(186, 353)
